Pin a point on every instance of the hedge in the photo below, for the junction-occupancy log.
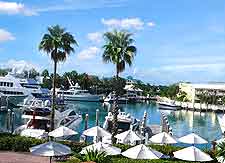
(18, 143)
(126, 160)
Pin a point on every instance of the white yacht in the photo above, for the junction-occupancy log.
(124, 121)
(75, 93)
(17, 89)
(167, 105)
(111, 97)
(39, 119)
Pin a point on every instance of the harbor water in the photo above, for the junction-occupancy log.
(182, 121)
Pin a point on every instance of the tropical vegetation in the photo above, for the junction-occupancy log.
(119, 50)
(58, 43)
(9, 142)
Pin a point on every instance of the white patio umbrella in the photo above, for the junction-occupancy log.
(96, 131)
(61, 132)
(192, 154)
(50, 149)
(142, 152)
(102, 147)
(127, 137)
(163, 138)
(192, 139)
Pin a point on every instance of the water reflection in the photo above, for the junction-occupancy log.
(182, 122)
(204, 124)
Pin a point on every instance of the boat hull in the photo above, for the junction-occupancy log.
(167, 106)
(15, 100)
(82, 98)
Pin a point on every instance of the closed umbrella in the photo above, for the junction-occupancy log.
(50, 149)
(192, 154)
(142, 152)
(96, 132)
(102, 147)
(192, 139)
(61, 132)
(127, 137)
(163, 138)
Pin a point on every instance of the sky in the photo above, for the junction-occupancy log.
(176, 40)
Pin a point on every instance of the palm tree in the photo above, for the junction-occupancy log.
(119, 50)
(58, 44)
(221, 151)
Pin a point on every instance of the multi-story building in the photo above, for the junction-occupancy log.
(194, 91)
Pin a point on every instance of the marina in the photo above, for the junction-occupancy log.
(181, 121)
(95, 82)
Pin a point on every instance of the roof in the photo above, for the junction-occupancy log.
(212, 86)
(132, 88)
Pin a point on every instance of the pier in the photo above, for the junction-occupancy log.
(200, 107)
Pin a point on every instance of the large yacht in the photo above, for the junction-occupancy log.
(75, 93)
(124, 122)
(17, 89)
(38, 118)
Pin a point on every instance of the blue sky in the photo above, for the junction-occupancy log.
(177, 40)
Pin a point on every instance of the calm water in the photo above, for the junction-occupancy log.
(182, 122)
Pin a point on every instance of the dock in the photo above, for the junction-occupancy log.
(200, 107)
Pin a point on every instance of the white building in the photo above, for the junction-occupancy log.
(209, 89)
(132, 90)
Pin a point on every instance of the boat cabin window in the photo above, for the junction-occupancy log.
(6, 84)
(65, 93)
(12, 93)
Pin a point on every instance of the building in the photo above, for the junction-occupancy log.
(194, 91)
(132, 90)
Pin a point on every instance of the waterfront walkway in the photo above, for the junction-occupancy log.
(14, 157)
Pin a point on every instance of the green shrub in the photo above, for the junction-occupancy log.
(95, 156)
(22, 144)
(127, 160)
(165, 149)
(72, 160)
(75, 146)
(17, 143)
(6, 143)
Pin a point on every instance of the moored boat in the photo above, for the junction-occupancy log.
(167, 105)
(75, 93)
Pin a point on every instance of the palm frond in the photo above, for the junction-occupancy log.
(119, 49)
(58, 43)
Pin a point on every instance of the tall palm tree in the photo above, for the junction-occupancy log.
(119, 50)
(58, 43)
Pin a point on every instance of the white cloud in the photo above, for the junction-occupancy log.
(5, 35)
(151, 24)
(19, 66)
(127, 23)
(95, 37)
(13, 8)
(73, 5)
(88, 53)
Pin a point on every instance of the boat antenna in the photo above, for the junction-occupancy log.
(71, 84)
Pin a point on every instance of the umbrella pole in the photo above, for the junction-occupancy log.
(50, 159)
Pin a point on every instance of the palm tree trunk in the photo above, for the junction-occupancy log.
(53, 97)
(115, 112)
